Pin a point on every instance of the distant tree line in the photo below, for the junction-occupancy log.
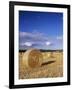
(42, 50)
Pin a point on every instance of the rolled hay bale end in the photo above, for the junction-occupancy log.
(32, 58)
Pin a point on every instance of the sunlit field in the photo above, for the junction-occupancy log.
(52, 66)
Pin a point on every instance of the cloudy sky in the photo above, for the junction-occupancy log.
(41, 30)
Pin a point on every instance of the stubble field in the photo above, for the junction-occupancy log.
(52, 66)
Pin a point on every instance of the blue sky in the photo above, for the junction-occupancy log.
(41, 30)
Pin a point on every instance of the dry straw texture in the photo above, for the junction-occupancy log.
(50, 64)
(32, 58)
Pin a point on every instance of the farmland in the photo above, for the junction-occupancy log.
(52, 66)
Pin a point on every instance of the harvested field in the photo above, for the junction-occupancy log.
(52, 66)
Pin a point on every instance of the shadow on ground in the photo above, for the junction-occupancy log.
(49, 62)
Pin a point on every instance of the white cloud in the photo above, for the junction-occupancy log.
(33, 34)
(25, 34)
(33, 39)
(48, 43)
(26, 44)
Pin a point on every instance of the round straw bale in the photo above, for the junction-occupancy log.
(32, 58)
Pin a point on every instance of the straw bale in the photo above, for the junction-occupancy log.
(32, 58)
